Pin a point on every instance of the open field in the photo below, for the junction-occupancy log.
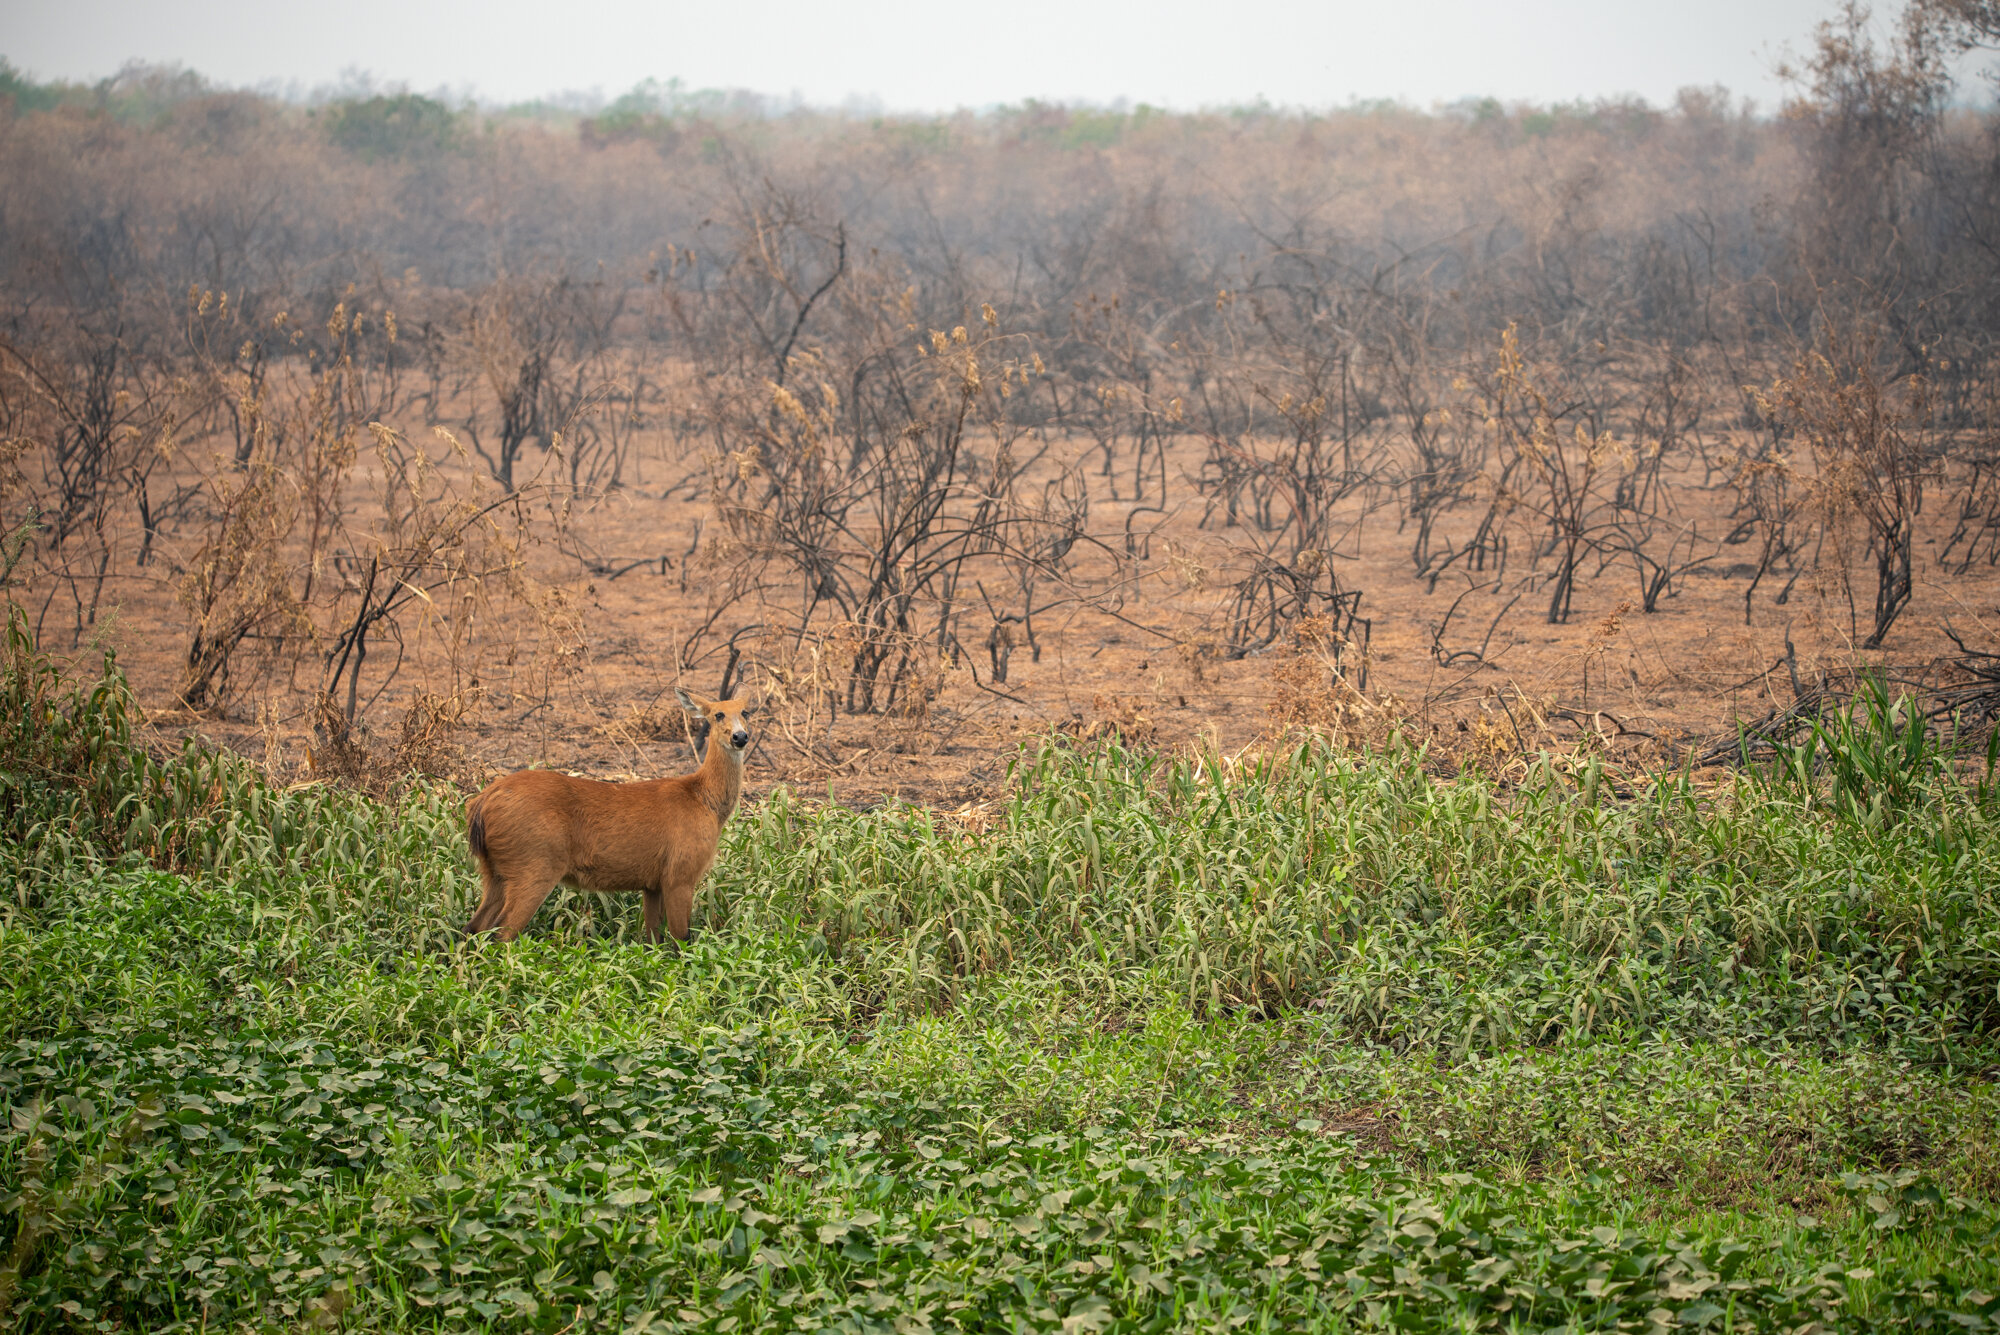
(1319, 1042)
(1134, 650)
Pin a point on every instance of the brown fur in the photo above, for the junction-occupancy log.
(537, 829)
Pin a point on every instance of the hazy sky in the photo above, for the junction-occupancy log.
(939, 55)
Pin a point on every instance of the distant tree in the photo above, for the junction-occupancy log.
(404, 125)
(25, 94)
(1964, 23)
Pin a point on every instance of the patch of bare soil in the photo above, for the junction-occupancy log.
(582, 676)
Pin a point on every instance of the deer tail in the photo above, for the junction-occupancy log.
(476, 830)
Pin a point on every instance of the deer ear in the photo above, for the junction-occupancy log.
(688, 702)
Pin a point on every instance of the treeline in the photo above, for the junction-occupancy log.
(1703, 221)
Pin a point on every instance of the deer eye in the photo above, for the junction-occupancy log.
(718, 718)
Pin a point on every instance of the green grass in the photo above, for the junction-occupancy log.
(1321, 1043)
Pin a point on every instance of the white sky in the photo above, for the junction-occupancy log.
(908, 55)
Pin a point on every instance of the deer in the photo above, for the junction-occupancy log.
(536, 829)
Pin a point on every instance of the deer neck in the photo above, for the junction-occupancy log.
(720, 777)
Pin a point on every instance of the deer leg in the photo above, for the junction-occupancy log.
(655, 908)
(527, 891)
(492, 901)
(679, 899)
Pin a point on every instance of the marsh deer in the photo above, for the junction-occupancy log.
(537, 829)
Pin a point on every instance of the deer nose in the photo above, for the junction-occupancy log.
(740, 738)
